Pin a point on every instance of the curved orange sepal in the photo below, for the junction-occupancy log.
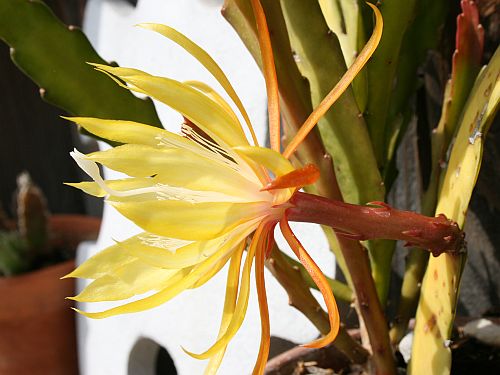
(269, 70)
(320, 280)
(265, 242)
(295, 179)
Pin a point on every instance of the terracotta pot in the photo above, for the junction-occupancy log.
(37, 325)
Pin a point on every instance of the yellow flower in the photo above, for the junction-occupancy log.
(201, 197)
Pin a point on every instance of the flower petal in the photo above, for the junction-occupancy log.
(175, 285)
(269, 71)
(189, 102)
(297, 178)
(179, 282)
(93, 188)
(241, 304)
(131, 279)
(206, 60)
(102, 263)
(272, 160)
(190, 221)
(213, 95)
(123, 131)
(156, 251)
(216, 267)
(169, 166)
(233, 276)
(263, 248)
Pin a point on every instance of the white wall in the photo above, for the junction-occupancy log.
(191, 320)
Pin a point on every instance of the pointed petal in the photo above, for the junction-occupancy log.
(319, 279)
(341, 86)
(188, 221)
(102, 263)
(272, 160)
(157, 250)
(174, 286)
(216, 267)
(131, 279)
(189, 102)
(179, 282)
(233, 276)
(169, 167)
(241, 304)
(93, 188)
(204, 58)
(89, 187)
(137, 133)
(123, 131)
(213, 95)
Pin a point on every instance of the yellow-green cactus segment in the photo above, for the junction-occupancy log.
(431, 353)
(344, 19)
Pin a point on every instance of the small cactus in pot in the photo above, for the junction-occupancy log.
(25, 242)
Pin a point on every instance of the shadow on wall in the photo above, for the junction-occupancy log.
(147, 357)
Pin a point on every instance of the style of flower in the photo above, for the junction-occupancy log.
(202, 197)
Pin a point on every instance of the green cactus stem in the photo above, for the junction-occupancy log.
(466, 64)
(422, 35)
(26, 244)
(12, 251)
(382, 70)
(55, 57)
(32, 216)
(345, 20)
(438, 298)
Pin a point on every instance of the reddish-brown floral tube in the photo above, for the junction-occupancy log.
(378, 220)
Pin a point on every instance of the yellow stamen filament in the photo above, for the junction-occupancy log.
(340, 87)
(269, 69)
(319, 279)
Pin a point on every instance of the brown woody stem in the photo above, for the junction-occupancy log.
(378, 221)
(368, 306)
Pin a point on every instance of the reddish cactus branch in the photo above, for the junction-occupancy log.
(379, 221)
